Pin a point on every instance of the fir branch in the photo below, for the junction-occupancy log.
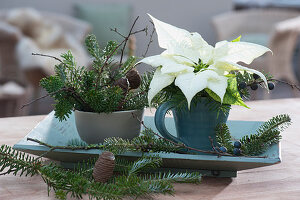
(180, 177)
(280, 121)
(267, 134)
(144, 165)
(52, 148)
(17, 161)
(223, 137)
(79, 182)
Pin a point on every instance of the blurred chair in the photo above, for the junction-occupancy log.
(277, 29)
(9, 37)
(13, 90)
(106, 16)
(12, 96)
(24, 31)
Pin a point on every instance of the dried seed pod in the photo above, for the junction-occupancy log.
(134, 79)
(123, 83)
(104, 167)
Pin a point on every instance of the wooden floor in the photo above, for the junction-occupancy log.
(277, 182)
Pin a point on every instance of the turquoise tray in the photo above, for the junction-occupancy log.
(53, 132)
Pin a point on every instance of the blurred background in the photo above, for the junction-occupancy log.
(53, 27)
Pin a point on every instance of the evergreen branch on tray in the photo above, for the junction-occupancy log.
(267, 134)
(255, 144)
(223, 137)
(148, 141)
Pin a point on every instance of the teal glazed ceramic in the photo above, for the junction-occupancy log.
(194, 126)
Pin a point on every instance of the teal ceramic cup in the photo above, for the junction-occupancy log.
(194, 126)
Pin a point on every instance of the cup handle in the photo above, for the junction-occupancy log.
(159, 120)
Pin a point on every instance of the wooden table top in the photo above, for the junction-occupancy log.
(280, 181)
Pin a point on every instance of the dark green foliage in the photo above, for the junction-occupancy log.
(95, 90)
(14, 162)
(63, 109)
(146, 142)
(53, 83)
(170, 93)
(135, 179)
(246, 78)
(223, 137)
(267, 134)
(255, 144)
(144, 165)
(252, 80)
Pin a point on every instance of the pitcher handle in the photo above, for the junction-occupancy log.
(159, 120)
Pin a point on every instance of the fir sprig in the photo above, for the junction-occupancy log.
(144, 165)
(223, 137)
(145, 142)
(136, 181)
(12, 161)
(255, 144)
(267, 134)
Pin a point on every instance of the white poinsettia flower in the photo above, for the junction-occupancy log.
(159, 81)
(191, 83)
(184, 50)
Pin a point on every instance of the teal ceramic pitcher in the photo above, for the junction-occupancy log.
(194, 126)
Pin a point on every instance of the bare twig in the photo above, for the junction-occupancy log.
(124, 42)
(138, 31)
(52, 148)
(39, 54)
(150, 40)
(72, 93)
(116, 31)
(31, 102)
(132, 33)
(127, 38)
(212, 144)
(293, 86)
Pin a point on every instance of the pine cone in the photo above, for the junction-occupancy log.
(104, 167)
(123, 83)
(134, 79)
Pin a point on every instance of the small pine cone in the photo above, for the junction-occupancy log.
(104, 167)
(134, 79)
(123, 83)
